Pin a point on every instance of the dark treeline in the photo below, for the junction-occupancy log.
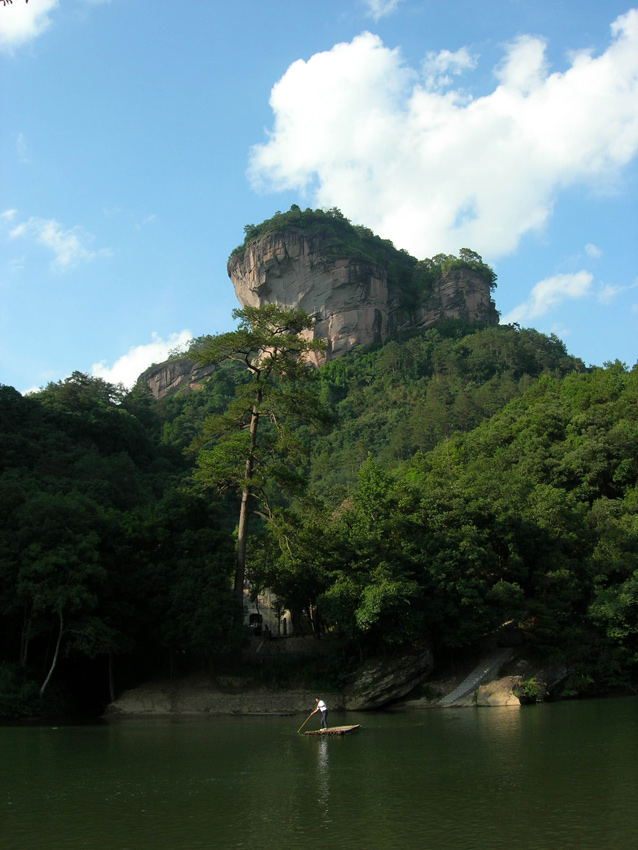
(105, 553)
(531, 517)
(469, 477)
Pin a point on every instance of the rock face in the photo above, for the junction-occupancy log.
(174, 375)
(205, 697)
(500, 692)
(383, 680)
(349, 298)
(459, 294)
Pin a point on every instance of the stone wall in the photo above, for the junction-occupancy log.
(169, 699)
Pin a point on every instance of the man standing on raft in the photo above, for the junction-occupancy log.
(321, 706)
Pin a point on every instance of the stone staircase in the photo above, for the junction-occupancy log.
(484, 672)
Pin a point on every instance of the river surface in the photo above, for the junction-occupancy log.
(543, 776)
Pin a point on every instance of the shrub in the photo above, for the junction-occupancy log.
(19, 695)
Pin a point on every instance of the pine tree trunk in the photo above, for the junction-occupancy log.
(25, 637)
(111, 679)
(244, 511)
(55, 656)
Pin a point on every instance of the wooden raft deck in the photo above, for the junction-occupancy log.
(334, 730)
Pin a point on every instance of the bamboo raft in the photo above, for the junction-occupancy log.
(334, 730)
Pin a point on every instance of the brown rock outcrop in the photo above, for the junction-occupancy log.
(382, 680)
(458, 294)
(174, 376)
(501, 692)
(349, 298)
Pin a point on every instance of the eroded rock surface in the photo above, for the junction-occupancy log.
(500, 692)
(349, 298)
(175, 376)
(383, 680)
(458, 294)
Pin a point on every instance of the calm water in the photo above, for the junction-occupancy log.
(547, 776)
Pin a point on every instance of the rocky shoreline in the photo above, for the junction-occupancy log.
(207, 695)
(197, 696)
(186, 699)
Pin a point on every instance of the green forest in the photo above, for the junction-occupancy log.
(437, 486)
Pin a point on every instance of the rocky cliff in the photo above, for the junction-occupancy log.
(457, 294)
(351, 299)
(174, 376)
(358, 288)
(347, 297)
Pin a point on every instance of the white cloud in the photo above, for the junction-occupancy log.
(16, 264)
(593, 251)
(8, 215)
(609, 291)
(524, 68)
(437, 67)
(21, 148)
(356, 128)
(149, 219)
(70, 247)
(380, 8)
(549, 293)
(21, 22)
(127, 368)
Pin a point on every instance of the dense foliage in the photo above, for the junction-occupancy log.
(471, 476)
(409, 396)
(103, 551)
(531, 517)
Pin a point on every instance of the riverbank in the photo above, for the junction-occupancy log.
(203, 694)
(496, 680)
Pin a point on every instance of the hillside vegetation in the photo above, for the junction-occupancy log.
(532, 517)
(410, 395)
(462, 478)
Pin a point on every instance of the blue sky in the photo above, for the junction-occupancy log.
(138, 138)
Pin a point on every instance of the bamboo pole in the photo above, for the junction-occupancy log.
(305, 721)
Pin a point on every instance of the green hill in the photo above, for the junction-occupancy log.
(466, 476)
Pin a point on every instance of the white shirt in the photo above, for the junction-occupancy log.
(321, 705)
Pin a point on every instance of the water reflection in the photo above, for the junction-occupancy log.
(323, 775)
(500, 734)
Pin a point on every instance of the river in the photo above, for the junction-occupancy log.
(544, 776)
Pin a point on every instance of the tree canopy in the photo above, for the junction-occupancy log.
(234, 449)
